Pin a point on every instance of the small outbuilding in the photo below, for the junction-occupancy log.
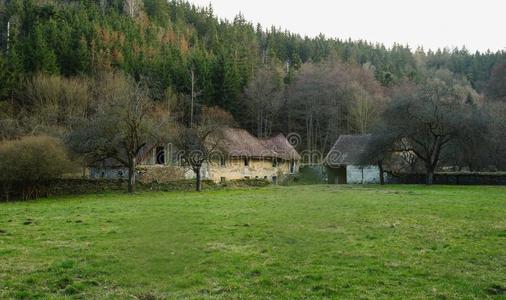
(345, 161)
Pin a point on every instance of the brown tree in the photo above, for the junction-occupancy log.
(125, 122)
(425, 118)
(196, 144)
(263, 99)
(365, 108)
(55, 101)
(496, 89)
(329, 99)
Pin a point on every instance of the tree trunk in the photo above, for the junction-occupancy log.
(430, 176)
(431, 164)
(382, 176)
(198, 185)
(131, 175)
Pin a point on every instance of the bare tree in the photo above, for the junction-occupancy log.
(263, 99)
(322, 97)
(131, 7)
(196, 144)
(316, 103)
(123, 125)
(495, 147)
(426, 118)
(380, 147)
(365, 109)
(496, 89)
(57, 101)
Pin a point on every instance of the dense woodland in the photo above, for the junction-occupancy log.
(56, 55)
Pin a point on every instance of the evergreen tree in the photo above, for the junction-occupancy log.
(40, 57)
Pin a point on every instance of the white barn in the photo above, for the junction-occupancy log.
(345, 165)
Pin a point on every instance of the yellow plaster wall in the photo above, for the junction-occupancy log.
(235, 169)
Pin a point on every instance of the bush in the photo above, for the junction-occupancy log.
(26, 165)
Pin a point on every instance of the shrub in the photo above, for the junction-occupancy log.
(26, 165)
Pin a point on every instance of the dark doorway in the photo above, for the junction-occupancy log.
(160, 155)
(337, 175)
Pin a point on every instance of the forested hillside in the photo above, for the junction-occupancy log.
(162, 41)
(270, 80)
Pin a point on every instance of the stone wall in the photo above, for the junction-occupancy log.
(60, 187)
(109, 173)
(160, 173)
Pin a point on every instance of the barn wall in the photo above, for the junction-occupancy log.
(362, 175)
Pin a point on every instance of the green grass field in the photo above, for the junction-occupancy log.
(280, 242)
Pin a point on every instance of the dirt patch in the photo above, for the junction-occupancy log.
(496, 290)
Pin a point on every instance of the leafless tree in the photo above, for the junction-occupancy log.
(196, 144)
(57, 101)
(426, 118)
(263, 99)
(316, 105)
(131, 7)
(329, 99)
(365, 109)
(495, 146)
(122, 126)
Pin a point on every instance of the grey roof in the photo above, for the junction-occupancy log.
(348, 150)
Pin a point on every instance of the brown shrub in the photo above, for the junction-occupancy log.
(27, 164)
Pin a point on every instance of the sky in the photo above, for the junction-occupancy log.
(476, 24)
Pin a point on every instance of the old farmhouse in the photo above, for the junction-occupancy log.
(239, 155)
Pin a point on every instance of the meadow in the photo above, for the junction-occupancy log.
(320, 241)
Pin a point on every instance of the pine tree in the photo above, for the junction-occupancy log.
(40, 58)
(12, 71)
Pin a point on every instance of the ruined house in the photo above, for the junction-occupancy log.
(238, 155)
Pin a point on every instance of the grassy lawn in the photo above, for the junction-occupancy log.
(280, 242)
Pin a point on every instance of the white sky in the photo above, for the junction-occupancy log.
(477, 24)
